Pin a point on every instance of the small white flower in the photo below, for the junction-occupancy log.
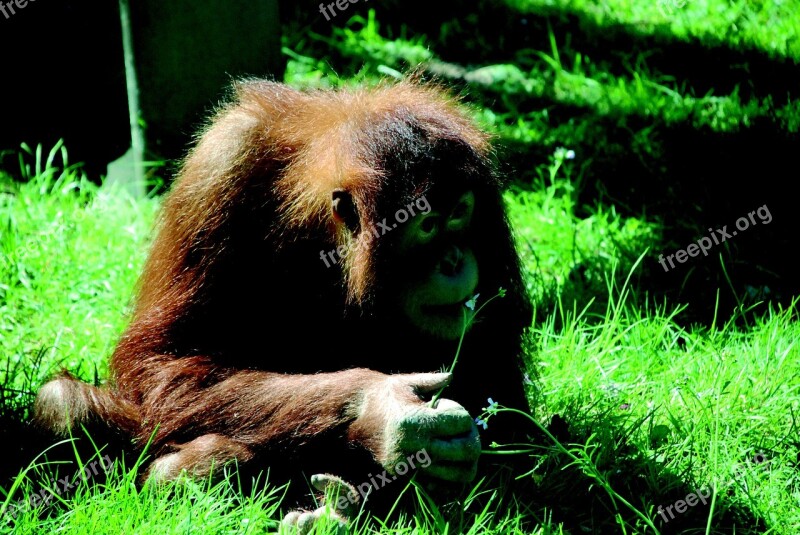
(471, 303)
(527, 379)
(570, 155)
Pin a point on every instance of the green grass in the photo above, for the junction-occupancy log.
(768, 26)
(583, 80)
(121, 506)
(645, 410)
(66, 273)
(566, 257)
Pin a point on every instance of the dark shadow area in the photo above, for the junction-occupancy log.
(568, 495)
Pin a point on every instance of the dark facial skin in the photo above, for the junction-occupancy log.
(431, 265)
(433, 300)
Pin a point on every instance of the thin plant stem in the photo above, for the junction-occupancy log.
(467, 322)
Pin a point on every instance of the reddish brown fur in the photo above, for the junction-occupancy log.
(209, 361)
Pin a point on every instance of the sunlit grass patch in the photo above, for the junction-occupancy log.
(69, 257)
